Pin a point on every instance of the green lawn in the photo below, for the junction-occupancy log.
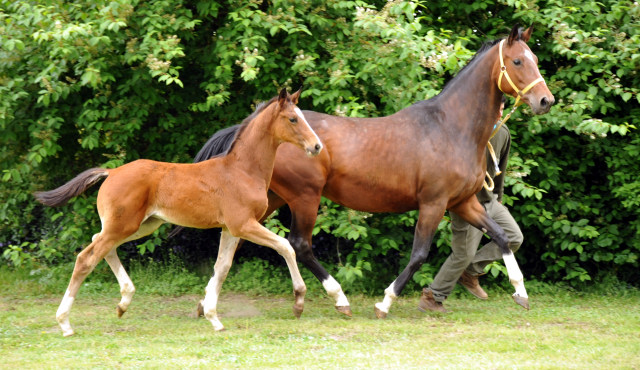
(562, 330)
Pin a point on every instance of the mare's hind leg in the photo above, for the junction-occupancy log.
(127, 289)
(303, 219)
(254, 232)
(428, 219)
(473, 212)
(226, 251)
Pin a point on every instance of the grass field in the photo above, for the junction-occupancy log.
(563, 329)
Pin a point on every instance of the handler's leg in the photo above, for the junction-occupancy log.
(491, 252)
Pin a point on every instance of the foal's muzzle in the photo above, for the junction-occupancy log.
(314, 150)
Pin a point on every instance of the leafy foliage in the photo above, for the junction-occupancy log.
(102, 83)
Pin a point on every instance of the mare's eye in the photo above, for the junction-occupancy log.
(517, 62)
(293, 120)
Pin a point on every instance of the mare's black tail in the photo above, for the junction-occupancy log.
(217, 145)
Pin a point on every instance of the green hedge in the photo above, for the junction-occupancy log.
(101, 83)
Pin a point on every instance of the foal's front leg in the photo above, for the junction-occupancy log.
(226, 251)
(256, 233)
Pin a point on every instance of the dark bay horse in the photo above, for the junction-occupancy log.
(228, 191)
(429, 156)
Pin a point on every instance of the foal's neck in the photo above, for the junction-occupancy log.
(254, 150)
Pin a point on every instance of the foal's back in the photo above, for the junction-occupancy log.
(180, 193)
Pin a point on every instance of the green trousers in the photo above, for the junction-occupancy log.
(464, 249)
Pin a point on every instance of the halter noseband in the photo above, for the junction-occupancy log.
(520, 93)
(503, 71)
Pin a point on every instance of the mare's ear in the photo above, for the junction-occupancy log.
(295, 96)
(526, 35)
(282, 98)
(514, 35)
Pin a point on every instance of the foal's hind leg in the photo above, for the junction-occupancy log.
(228, 246)
(127, 289)
(85, 263)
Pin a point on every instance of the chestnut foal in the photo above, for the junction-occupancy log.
(228, 191)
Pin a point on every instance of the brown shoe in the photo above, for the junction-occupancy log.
(473, 286)
(428, 303)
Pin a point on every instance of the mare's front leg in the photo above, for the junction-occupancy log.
(226, 251)
(304, 211)
(473, 212)
(428, 219)
(254, 232)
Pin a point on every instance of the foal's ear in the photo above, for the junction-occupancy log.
(526, 35)
(295, 96)
(514, 35)
(282, 97)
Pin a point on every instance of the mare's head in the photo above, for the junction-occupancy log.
(518, 73)
(291, 126)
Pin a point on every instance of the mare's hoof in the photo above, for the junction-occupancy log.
(119, 311)
(200, 310)
(345, 310)
(297, 311)
(379, 313)
(522, 301)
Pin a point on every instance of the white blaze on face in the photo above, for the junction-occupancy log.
(529, 55)
(301, 117)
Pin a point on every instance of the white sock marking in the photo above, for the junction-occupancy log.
(334, 290)
(515, 275)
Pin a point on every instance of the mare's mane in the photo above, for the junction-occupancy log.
(483, 49)
(222, 142)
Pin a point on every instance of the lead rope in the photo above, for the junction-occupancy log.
(520, 93)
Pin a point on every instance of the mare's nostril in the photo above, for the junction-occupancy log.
(544, 102)
(318, 147)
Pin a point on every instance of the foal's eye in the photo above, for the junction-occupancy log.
(517, 62)
(293, 120)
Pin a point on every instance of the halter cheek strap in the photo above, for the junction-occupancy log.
(503, 72)
(520, 93)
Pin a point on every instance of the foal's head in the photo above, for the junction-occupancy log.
(291, 126)
(520, 74)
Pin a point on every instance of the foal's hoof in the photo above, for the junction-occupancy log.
(68, 333)
(379, 313)
(200, 310)
(297, 310)
(345, 310)
(522, 301)
(119, 311)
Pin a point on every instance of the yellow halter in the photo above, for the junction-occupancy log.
(520, 93)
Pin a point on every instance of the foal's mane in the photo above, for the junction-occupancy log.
(222, 142)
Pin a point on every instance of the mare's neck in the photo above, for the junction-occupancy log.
(472, 101)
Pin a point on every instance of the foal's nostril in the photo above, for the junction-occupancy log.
(318, 147)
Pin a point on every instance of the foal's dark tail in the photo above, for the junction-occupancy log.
(60, 196)
(218, 145)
